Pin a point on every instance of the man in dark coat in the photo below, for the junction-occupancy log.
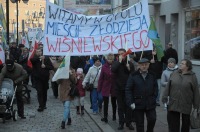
(41, 67)
(122, 70)
(15, 72)
(141, 92)
(169, 53)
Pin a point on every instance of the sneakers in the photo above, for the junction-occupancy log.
(94, 113)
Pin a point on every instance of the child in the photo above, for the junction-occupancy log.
(79, 101)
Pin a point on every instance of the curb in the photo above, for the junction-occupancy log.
(104, 127)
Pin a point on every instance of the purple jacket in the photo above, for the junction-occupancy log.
(106, 81)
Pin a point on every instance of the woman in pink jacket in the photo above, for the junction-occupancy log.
(106, 87)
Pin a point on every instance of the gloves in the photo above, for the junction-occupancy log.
(133, 106)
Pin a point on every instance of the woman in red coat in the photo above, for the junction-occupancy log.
(106, 87)
(80, 99)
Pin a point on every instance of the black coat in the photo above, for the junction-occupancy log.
(170, 53)
(121, 73)
(39, 72)
(142, 92)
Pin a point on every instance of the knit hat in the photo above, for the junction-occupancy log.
(172, 60)
(79, 70)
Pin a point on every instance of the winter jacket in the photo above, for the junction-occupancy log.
(170, 53)
(39, 72)
(106, 81)
(166, 74)
(122, 73)
(64, 88)
(142, 92)
(90, 76)
(17, 75)
(183, 92)
(80, 86)
(156, 67)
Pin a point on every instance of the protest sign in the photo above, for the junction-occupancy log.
(66, 31)
(33, 32)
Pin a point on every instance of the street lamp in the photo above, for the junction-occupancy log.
(16, 1)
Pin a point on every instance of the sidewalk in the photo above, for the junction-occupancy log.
(50, 119)
(111, 126)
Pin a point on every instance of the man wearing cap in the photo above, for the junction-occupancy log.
(141, 92)
(15, 72)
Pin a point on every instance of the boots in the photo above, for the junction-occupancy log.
(69, 122)
(104, 119)
(114, 117)
(63, 125)
(77, 110)
(82, 110)
(121, 126)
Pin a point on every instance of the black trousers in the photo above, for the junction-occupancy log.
(20, 103)
(173, 119)
(54, 86)
(106, 102)
(151, 119)
(124, 112)
(42, 87)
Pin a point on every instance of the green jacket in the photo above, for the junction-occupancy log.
(183, 92)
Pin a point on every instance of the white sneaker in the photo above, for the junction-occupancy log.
(94, 113)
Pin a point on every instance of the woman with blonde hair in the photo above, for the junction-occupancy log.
(106, 87)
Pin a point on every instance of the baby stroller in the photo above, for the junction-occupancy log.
(7, 95)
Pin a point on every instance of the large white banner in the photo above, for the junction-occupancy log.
(91, 35)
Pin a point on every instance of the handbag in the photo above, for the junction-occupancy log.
(90, 86)
(195, 119)
(73, 91)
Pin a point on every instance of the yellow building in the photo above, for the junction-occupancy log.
(32, 14)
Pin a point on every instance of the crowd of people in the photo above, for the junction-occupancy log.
(133, 84)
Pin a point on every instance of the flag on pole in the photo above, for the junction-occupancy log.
(153, 35)
(63, 70)
(34, 46)
(2, 55)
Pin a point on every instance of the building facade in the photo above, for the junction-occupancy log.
(31, 14)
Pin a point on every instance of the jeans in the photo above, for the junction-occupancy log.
(97, 100)
(66, 113)
(159, 85)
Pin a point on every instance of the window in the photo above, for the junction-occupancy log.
(192, 34)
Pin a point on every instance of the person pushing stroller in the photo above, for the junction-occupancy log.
(15, 72)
